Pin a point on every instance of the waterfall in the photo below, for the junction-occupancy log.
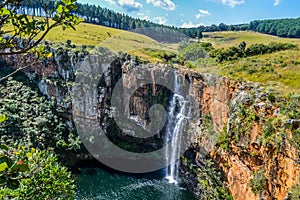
(174, 128)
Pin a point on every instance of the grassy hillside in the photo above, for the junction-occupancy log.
(279, 70)
(87, 34)
(114, 39)
(231, 38)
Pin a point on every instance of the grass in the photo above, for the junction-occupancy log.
(280, 70)
(114, 39)
(129, 42)
(233, 38)
(95, 35)
(87, 34)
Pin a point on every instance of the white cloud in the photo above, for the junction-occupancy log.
(127, 5)
(277, 2)
(130, 5)
(231, 3)
(143, 16)
(111, 2)
(202, 13)
(190, 25)
(160, 20)
(165, 4)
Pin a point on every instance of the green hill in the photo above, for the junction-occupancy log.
(279, 70)
(230, 38)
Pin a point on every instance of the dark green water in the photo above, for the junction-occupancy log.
(95, 183)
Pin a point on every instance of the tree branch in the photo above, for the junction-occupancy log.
(4, 3)
(17, 70)
(33, 45)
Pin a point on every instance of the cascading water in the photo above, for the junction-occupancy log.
(174, 128)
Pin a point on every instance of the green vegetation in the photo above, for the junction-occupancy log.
(224, 140)
(32, 28)
(210, 182)
(33, 174)
(279, 27)
(161, 55)
(32, 120)
(195, 55)
(192, 52)
(273, 133)
(234, 53)
(29, 121)
(226, 39)
(278, 70)
(295, 191)
(258, 182)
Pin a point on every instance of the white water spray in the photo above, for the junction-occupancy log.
(174, 128)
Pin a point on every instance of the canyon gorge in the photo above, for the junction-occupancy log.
(238, 135)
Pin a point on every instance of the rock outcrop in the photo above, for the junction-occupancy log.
(240, 126)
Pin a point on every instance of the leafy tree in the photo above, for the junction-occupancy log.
(31, 28)
(193, 52)
(33, 174)
(279, 27)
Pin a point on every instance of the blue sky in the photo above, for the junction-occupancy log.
(192, 13)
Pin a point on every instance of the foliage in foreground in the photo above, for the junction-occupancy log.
(33, 174)
(31, 28)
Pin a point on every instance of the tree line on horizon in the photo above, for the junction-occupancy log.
(103, 16)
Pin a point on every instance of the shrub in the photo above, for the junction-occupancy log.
(258, 182)
(193, 52)
(224, 140)
(295, 191)
(33, 174)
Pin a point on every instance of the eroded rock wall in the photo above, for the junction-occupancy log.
(231, 128)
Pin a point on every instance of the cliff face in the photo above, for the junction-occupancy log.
(253, 148)
(241, 127)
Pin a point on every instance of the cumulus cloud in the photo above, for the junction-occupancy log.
(165, 4)
(143, 16)
(127, 5)
(160, 20)
(190, 25)
(112, 2)
(130, 5)
(202, 13)
(277, 2)
(231, 3)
